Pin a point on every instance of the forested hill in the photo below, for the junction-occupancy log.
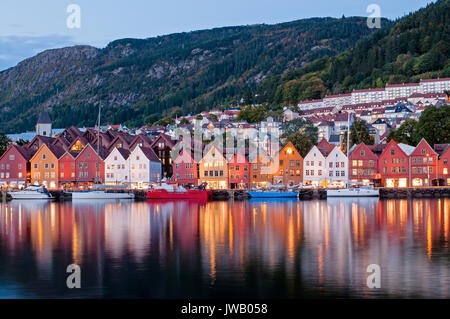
(417, 46)
(139, 81)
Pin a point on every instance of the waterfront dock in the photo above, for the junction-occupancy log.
(304, 194)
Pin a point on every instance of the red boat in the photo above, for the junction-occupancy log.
(170, 191)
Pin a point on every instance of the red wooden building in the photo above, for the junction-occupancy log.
(14, 166)
(239, 172)
(443, 163)
(67, 170)
(86, 166)
(424, 162)
(185, 169)
(393, 165)
(363, 164)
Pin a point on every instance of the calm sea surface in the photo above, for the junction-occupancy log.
(256, 248)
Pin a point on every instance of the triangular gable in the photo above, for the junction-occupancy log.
(423, 144)
(166, 139)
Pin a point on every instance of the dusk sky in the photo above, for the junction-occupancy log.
(29, 27)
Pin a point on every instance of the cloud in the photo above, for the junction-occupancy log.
(14, 49)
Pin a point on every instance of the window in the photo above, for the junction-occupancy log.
(7, 174)
(342, 173)
(281, 162)
(7, 166)
(392, 152)
(216, 173)
(331, 165)
(52, 165)
(362, 153)
(35, 166)
(307, 172)
(298, 163)
(62, 165)
(206, 173)
(19, 175)
(292, 163)
(221, 173)
(44, 156)
(337, 173)
(11, 157)
(342, 164)
(331, 174)
(320, 172)
(46, 165)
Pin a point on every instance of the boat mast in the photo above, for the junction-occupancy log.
(97, 177)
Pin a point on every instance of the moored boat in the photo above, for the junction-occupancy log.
(32, 192)
(272, 194)
(170, 191)
(97, 194)
(353, 192)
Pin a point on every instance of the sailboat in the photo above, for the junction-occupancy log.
(99, 192)
(353, 190)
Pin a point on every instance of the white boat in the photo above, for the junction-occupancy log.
(354, 192)
(101, 195)
(32, 192)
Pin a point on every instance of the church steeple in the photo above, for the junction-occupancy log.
(44, 124)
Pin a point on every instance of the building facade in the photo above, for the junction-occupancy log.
(363, 164)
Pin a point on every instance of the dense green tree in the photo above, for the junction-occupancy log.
(359, 133)
(253, 114)
(433, 125)
(213, 117)
(4, 143)
(303, 126)
(302, 142)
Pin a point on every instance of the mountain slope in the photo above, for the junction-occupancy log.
(417, 46)
(138, 81)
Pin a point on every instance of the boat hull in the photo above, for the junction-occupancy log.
(101, 195)
(189, 195)
(353, 193)
(32, 196)
(273, 194)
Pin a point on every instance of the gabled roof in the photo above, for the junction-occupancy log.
(407, 149)
(324, 147)
(124, 152)
(22, 150)
(441, 149)
(150, 154)
(424, 141)
(166, 138)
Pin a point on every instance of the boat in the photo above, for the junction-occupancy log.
(272, 194)
(32, 192)
(171, 191)
(98, 194)
(354, 192)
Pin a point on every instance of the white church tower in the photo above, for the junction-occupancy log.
(44, 124)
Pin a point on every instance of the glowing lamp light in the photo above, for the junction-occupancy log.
(289, 150)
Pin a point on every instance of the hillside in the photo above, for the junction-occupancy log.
(415, 47)
(138, 81)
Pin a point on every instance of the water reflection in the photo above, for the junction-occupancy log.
(256, 248)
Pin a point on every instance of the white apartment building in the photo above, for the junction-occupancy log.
(310, 105)
(395, 91)
(435, 85)
(368, 96)
(338, 100)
